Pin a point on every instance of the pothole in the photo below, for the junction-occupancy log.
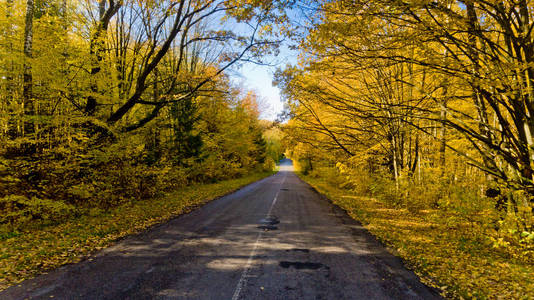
(298, 250)
(270, 220)
(299, 265)
(268, 227)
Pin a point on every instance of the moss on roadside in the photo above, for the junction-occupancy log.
(445, 254)
(33, 251)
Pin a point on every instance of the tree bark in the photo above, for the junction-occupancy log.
(27, 97)
(442, 132)
(9, 66)
(10, 127)
(97, 48)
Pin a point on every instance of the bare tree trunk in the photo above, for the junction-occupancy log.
(413, 166)
(65, 27)
(419, 168)
(442, 132)
(101, 8)
(27, 97)
(395, 164)
(9, 66)
(528, 74)
(8, 128)
(483, 121)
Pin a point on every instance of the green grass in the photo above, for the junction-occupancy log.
(455, 257)
(30, 252)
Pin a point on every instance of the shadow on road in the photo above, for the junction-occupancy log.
(314, 251)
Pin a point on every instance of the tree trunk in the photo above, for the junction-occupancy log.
(395, 164)
(27, 97)
(97, 48)
(9, 66)
(442, 131)
(473, 27)
(10, 126)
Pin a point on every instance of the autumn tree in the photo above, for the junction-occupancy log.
(126, 99)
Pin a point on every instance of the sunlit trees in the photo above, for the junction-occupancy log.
(483, 46)
(431, 87)
(103, 101)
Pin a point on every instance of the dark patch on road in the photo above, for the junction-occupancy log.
(270, 220)
(268, 227)
(284, 189)
(298, 250)
(301, 265)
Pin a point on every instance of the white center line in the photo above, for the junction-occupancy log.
(243, 279)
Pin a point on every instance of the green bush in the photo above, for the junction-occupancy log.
(18, 210)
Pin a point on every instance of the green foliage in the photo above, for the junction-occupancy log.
(187, 143)
(18, 211)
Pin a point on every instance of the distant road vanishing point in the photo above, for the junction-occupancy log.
(273, 239)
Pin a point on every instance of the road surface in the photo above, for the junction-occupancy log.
(274, 239)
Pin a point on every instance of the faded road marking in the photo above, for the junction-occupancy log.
(243, 279)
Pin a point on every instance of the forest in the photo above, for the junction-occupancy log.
(107, 103)
(98, 107)
(426, 106)
(415, 116)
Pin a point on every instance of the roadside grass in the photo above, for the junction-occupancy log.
(449, 255)
(36, 250)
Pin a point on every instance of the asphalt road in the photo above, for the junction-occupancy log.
(274, 239)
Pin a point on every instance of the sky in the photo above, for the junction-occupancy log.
(259, 78)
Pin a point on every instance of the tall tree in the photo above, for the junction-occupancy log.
(27, 95)
(98, 47)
